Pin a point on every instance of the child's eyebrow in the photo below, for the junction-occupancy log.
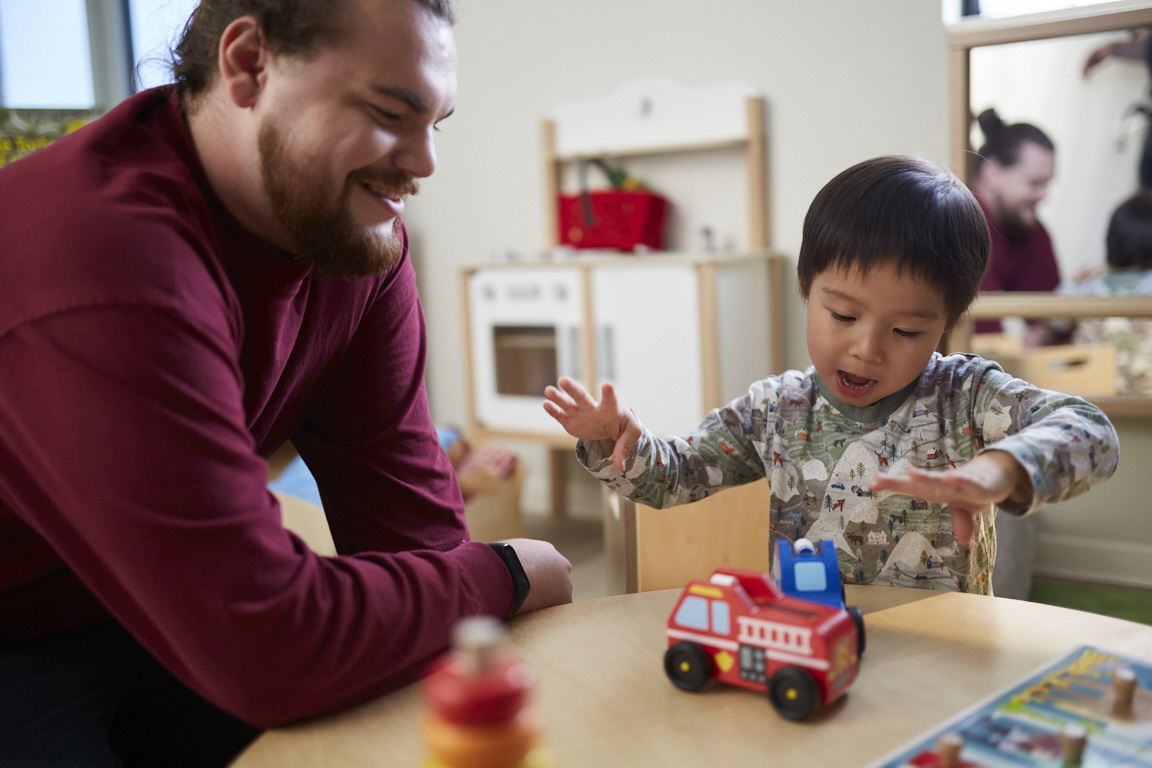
(918, 314)
(838, 294)
(923, 314)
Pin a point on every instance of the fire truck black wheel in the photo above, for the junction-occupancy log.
(858, 617)
(687, 665)
(794, 693)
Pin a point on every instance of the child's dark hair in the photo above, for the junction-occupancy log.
(903, 210)
(1129, 239)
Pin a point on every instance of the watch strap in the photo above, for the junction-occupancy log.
(520, 584)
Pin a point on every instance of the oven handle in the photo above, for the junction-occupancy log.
(572, 356)
(606, 353)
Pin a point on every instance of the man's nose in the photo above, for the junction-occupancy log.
(417, 156)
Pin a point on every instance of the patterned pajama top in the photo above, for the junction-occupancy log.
(820, 456)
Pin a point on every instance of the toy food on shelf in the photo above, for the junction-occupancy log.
(478, 696)
(740, 628)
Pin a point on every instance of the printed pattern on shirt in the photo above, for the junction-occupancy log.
(820, 463)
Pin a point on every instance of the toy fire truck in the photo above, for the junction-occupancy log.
(740, 628)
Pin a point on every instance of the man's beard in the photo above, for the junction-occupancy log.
(319, 224)
(1016, 227)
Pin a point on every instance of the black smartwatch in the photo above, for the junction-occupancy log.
(520, 584)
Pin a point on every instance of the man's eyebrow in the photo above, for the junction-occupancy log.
(409, 97)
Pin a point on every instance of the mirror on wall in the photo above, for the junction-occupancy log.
(1032, 69)
(1094, 120)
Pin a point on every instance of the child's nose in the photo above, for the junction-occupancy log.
(867, 345)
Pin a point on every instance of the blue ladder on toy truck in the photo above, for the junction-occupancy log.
(811, 572)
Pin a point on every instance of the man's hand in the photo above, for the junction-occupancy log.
(609, 421)
(549, 574)
(990, 478)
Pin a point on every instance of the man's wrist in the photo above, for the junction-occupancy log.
(520, 584)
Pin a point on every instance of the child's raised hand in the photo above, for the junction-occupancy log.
(609, 421)
(990, 478)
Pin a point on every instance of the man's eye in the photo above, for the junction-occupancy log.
(386, 115)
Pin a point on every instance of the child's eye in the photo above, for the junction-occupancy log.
(842, 318)
(906, 334)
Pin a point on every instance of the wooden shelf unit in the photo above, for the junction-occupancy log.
(725, 118)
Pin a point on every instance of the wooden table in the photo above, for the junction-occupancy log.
(602, 687)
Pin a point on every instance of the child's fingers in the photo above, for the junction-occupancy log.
(576, 392)
(620, 454)
(558, 398)
(556, 412)
(608, 397)
(963, 526)
(624, 445)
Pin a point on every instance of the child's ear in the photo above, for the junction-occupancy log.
(243, 60)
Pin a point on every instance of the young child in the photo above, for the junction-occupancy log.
(894, 452)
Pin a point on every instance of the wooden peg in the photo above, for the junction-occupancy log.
(1073, 739)
(1123, 693)
(948, 748)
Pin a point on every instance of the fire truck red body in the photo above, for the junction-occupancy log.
(740, 628)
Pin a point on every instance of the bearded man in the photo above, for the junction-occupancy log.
(206, 272)
(1010, 178)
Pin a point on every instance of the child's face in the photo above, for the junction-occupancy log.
(870, 335)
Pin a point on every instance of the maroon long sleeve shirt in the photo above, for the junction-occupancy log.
(152, 352)
(1024, 263)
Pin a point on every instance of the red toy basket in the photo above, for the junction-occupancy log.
(624, 218)
(619, 219)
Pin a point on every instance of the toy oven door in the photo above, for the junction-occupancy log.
(526, 333)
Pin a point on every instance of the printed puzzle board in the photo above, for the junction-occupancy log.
(1022, 726)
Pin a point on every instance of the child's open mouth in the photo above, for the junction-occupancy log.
(852, 383)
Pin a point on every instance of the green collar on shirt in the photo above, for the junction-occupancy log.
(877, 413)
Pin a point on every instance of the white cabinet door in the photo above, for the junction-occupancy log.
(647, 326)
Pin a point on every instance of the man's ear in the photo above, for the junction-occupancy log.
(243, 60)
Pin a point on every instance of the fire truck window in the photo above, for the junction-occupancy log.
(811, 577)
(720, 618)
(693, 613)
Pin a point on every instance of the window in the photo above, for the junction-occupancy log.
(693, 613)
(45, 55)
(156, 27)
(811, 577)
(995, 9)
(721, 617)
